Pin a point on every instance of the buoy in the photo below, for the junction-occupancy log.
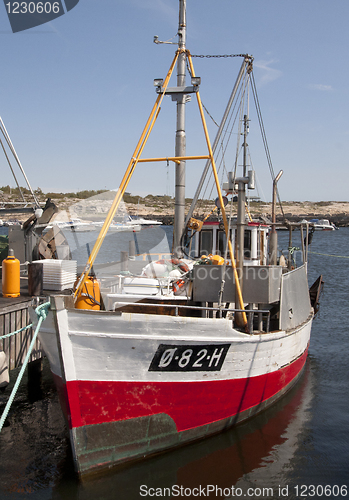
(11, 283)
(89, 296)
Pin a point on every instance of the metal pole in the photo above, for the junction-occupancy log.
(240, 230)
(303, 246)
(180, 148)
(14, 175)
(245, 145)
(273, 246)
(9, 142)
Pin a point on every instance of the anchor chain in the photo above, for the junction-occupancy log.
(217, 56)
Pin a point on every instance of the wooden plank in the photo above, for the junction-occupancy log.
(24, 335)
(2, 343)
(11, 305)
(13, 317)
(19, 344)
(10, 341)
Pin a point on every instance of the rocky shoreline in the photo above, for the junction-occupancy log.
(335, 212)
(161, 208)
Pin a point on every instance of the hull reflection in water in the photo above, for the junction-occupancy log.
(245, 456)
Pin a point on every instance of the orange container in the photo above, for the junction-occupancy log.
(11, 283)
(90, 295)
(217, 259)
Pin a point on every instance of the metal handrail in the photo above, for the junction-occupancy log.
(249, 312)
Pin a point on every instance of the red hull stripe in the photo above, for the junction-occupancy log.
(189, 404)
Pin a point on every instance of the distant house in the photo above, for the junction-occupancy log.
(255, 199)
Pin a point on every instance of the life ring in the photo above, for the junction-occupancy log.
(177, 286)
(180, 264)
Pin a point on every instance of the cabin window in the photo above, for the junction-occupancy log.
(261, 248)
(221, 242)
(206, 240)
(247, 244)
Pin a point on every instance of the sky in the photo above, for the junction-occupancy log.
(75, 93)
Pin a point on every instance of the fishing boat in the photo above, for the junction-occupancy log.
(322, 225)
(79, 226)
(132, 220)
(190, 344)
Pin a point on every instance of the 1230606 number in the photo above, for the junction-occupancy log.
(33, 7)
(177, 358)
(310, 490)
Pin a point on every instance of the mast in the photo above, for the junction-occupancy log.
(180, 147)
(273, 245)
(245, 145)
(241, 182)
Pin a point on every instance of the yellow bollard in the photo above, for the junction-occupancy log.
(89, 296)
(11, 283)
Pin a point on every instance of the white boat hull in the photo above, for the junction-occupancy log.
(136, 384)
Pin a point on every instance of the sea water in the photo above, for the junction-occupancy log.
(298, 448)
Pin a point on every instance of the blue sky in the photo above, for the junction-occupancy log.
(76, 92)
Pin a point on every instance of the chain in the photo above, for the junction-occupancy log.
(224, 55)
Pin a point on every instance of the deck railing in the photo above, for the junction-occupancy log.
(220, 310)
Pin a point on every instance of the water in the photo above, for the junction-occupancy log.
(150, 240)
(302, 440)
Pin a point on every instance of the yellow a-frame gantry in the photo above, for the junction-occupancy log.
(132, 165)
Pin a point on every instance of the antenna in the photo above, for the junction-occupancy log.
(168, 42)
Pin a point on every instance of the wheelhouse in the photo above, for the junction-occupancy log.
(212, 240)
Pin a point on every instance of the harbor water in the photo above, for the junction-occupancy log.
(298, 448)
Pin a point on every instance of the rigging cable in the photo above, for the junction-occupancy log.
(14, 175)
(264, 138)
(247, 61)
(228, 131)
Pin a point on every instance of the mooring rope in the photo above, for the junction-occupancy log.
(15, 332)
(41, 312)
(331, 255)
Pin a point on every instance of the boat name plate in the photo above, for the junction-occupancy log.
(189, 358)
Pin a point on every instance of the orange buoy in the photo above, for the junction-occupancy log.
(11, 283)
(90, 296)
